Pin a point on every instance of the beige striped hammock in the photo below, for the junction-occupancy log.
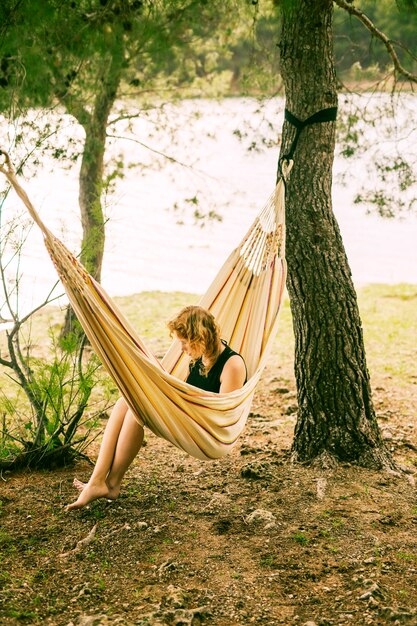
(244, 297)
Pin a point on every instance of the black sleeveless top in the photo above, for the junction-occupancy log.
(211, 382)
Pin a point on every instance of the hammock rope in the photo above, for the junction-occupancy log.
(245, 299)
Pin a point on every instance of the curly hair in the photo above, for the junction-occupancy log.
(198, 326)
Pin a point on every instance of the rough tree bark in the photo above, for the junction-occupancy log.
(336, 418)
(91, 176)
(91, 181)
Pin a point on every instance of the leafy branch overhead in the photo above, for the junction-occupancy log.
(85, 56)
(390, 45)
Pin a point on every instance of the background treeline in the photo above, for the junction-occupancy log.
(353, 43)
(233, 51)
(359, 56)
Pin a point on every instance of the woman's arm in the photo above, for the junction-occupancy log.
(233, 375)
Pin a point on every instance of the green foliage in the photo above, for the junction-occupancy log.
(357, 48)
(85, 55)
(72, 52)
(379, 131)
(407, 5)
(396, 176)
(253, 57)
(44, 419)
(49, 427)
(301, 538)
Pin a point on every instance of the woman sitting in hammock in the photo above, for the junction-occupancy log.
(214, 367)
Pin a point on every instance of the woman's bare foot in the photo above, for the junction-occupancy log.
(92, 491)
(78, 484)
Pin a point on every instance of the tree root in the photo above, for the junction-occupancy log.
(376, 458)
(83, 543)
(44, 457)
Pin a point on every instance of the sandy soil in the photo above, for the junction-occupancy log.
(250, 539)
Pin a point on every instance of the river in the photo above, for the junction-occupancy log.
(146, 246)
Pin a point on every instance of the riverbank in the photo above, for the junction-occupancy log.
(250, 539)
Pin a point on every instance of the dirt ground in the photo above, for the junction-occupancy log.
(250, 539)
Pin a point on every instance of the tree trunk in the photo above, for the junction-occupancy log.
(336, 419)
(91, 182)
(92, 218)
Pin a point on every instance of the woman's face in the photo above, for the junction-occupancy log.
(193, 351)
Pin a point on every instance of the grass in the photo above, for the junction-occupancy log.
(314, 563)
(390, 327)
(387, 311)
(301, 538)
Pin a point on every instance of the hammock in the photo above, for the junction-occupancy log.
(244, 298)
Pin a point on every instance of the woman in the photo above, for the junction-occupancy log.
(214, 366)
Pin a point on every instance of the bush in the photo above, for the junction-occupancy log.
(50, 427)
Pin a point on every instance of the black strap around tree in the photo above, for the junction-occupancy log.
(325, 115)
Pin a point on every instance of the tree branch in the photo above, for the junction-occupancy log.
(154, 150)
(62, 93)
(163, 154)
(388, 43)
(5, 363)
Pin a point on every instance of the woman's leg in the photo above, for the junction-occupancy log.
(128, 445)
(122, 440)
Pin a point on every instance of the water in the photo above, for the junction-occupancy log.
(146, 248)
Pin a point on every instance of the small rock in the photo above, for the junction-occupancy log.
(387, 435)
(411, 479)
(141, 525)
(374, 590)
(219, 502)
(310, 623)
(261, 516)
(370, 561)
(174, 617)
(167, 566)
(175, 598)
(99, 620)
(321, 488)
